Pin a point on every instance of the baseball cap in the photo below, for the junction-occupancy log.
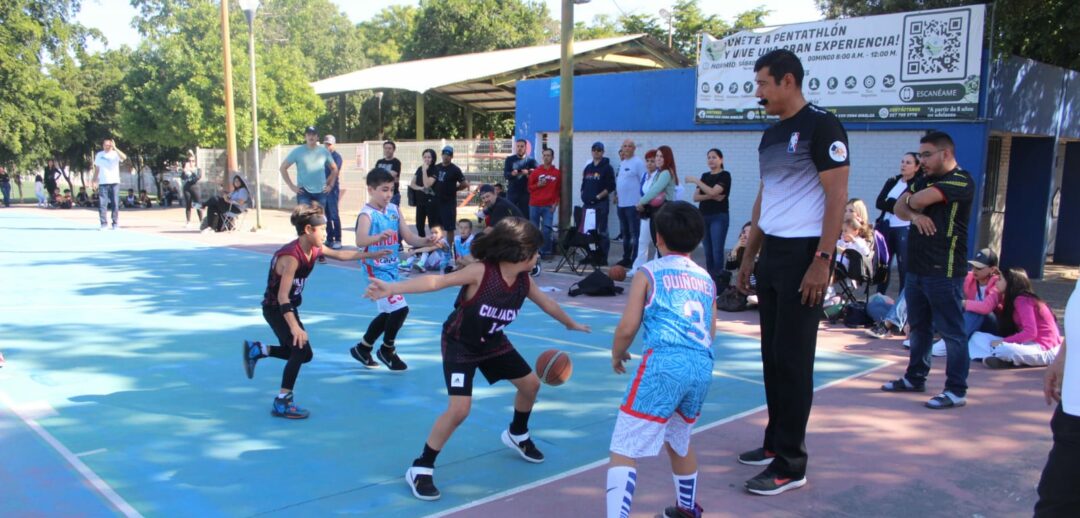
(329, 139)
(598, 145)
(448, 150)
(311, 129)
(985, 258)
(487, 187)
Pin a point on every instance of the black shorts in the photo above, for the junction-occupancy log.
(459, 374)
(277, 322)
(446, 216)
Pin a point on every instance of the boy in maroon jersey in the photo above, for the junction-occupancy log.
(289, 270)
(492, 292)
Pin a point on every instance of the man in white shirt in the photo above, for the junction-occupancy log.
(107, 167)
(1057, 487)
(627, 194)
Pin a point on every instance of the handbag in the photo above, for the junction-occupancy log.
(731, 300)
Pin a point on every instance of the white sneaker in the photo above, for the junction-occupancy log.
(907, 343)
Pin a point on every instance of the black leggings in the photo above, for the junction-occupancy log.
(295, 356)
(424, 214)
(189, 198)
(386, 324)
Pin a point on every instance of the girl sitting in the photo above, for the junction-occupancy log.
(1030, 335)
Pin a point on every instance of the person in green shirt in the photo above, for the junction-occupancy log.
(311, 160)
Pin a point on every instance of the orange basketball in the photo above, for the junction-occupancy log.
(553, 367)
(617, 273)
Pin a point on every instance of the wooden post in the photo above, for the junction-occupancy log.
(419, 116)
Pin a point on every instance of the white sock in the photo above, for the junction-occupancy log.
(685, 490)
(518, 438)
(621, 481)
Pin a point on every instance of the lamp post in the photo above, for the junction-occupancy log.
(566, 113)
(249, 7)
(379, 96)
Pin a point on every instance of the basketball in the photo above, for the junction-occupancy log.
(617, 273)
(554, 367)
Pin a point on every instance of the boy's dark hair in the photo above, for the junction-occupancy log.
(781, 62)
(938, 139)
(379, 176)
(681, 226)
(466, 221)
(511, 240)
(521, 140)
(304, 215)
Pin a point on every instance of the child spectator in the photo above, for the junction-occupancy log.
(144, 199)
(130, 201)
(81, 199)
(1030, 335)
(982, 300)
(463, 244)
(39, 191)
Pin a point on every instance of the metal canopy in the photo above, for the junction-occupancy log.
(486, 81)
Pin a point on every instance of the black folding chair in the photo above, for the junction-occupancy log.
(579, 249)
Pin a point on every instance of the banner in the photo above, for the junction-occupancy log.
(915, 65)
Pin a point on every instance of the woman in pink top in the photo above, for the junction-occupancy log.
(1030, 335)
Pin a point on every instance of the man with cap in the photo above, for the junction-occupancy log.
(495, 207)
(311, 159)
(597, 183)
(333, 218)
(516, 170)
(981, 297)
(448, 181)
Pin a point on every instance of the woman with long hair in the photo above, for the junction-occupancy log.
(189, 178)
(1029, 331)
(422, 195)
(234, 202)
(658, 188)
(712, 198)
(894, 228)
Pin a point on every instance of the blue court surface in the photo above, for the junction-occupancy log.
(124, 390)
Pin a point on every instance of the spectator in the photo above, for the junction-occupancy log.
(170, 195)
(982, 299)
(423, 196)
(107, 166)
(500, 191)
(333, 196)
(733, 261)
(81, 199)
(463, 244)
(432, 257)
(597, 184)
(545, 184)
(495, 208)
(712, 198)
(448, 181)
(234, 202)
(5, 186)
(1029, 332)
(852, 237)
(889, 316)
(65, 202)
(391, 165)
(516, 170)
(39, 191)
(894, 228)
(311, 161)
(144, 199)
(856, 208)
(657, 189)
(938, 205)
(189, 179)
(645, 241)
(627, 194)
(52, 172)
(131, 201)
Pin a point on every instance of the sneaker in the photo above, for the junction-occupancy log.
(678, 512)
(362, 354)
(389, 357)
(252, 354)
(422, 483)
(448, 269)
(336, 245)
(284, 407)
(322, 259)
(902, 385)
(419, 267)
(879, 331)
(768, 484)
(115, 226)
(526, 448)
(907, 343)
(535, 270)
(946, 400)
(758, 457)
(104, 227)
(994, 362)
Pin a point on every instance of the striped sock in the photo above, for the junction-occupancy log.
(621, 481)
(685, 489)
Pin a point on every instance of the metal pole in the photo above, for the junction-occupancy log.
(419, 116)
(566, 115)
(255, 120)
(230, 123)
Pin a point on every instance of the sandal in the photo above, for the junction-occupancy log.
(946, 400)
(902, 385)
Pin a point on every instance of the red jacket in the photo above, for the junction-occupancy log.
(547, 194)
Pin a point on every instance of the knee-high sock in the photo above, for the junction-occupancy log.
(685, 489)
(621, 481)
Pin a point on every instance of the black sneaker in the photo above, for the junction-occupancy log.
(362, 354)
(422, 483)
(535, 270)
(879, 331)
(252, 354)
(678, 512)
(758, 457)
(389, 356)
(768, 483)
(526, 448)
(994, 362)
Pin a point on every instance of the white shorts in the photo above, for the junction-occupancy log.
(635, 437)
(391, 304)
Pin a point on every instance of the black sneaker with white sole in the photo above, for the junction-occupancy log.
(768, 483)
(388, 355)
(758, 457)
(526, 448)
(362, 354)
(421, 481)
(681, 512)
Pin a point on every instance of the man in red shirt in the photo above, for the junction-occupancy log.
(544, 184)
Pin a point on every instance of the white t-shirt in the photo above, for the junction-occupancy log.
(1070, 389)
(108, 164)
(895, 193)
(628, 180)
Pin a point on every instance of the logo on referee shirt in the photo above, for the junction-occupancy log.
(457, 379)
(838, 151)
(793, 142)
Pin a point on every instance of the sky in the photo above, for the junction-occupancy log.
(113, 17)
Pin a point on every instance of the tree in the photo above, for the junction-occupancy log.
(451, 27)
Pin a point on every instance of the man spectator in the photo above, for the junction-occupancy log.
(495, 208)
(597, 184)
(796, 219)
(52, 173)
(937, 204)
(544, 189)
(311, 161)
(107, 166)
(333, 218)
(627, 195)
(5, 186)
(516, 171)
(393, 166)
(448, 181)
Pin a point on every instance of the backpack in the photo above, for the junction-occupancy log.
(731, 300)
(855, 315)
(596, 284)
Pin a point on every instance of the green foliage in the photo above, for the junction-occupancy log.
(450, 27)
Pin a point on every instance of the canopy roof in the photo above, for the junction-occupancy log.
(485, 81)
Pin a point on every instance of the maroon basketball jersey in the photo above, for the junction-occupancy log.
(306, 264)
(478, 323)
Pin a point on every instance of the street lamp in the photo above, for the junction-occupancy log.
(665, 14)
(249, 7)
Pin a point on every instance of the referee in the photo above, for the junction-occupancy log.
(796, 220)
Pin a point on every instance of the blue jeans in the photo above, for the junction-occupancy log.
(108, 193)
(333, 219)
(896, 239)
(5, 188)
(716, 227)
(934, 303)
(305, 198)
(881, 311)
(629, 227)
(541, 217)
(975, 322)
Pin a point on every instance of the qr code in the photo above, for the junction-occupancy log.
(935, 46)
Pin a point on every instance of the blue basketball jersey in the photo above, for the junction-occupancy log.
(462, 247)
(679, 308)
(386, 268)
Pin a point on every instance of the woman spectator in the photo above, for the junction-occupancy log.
(856, 208)
(39, 191)
(659, 187)
(712, 198)
(189, 178)
(894, 228)
(422, 194)
(234, 202)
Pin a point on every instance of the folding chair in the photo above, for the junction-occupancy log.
(859, 272)
(580, 247)
(233, 221)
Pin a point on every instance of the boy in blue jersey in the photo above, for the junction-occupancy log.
(675, 302)
(379, 227)
(463, 244)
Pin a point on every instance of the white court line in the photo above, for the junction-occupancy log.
(601, 462)
(107, 492)
(91, 452)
